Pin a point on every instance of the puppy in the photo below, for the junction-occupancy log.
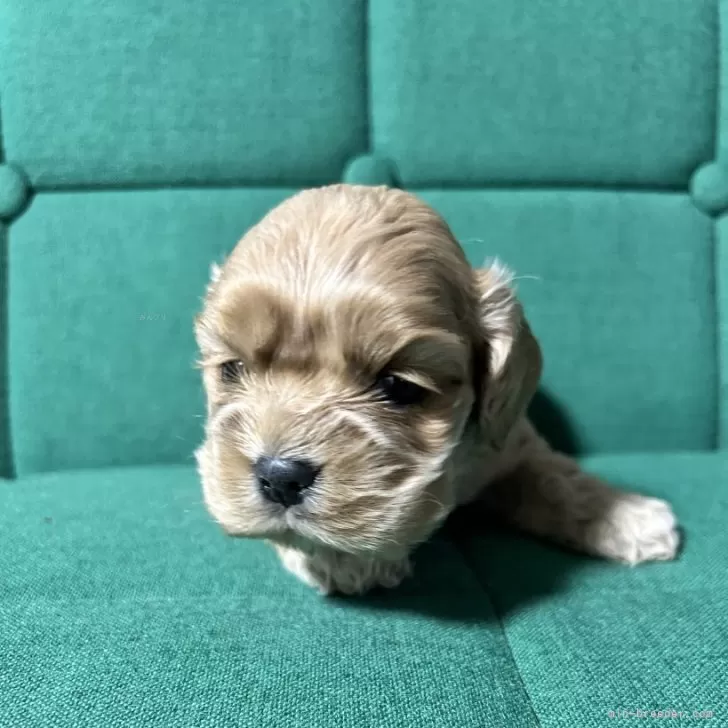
(363, 380)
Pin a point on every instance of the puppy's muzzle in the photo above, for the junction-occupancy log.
(284, 480)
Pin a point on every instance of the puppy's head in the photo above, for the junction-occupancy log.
(346, 344)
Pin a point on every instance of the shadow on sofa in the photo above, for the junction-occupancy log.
(464, 593)
(551, 420)
(487, 550)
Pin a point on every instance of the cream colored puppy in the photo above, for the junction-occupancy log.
(363, 380)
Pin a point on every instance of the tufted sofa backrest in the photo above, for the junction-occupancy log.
(573, 139)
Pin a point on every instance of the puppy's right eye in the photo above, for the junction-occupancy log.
(399, 391)
(231, 371)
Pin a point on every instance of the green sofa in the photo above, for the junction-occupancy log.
(579, 140)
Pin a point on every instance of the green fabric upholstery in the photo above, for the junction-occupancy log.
(179, 91)
(596, 637)
(566, 92)
(583, 142)
(127, 589)
(130, 604)
(6, 457)
(14, 191)
(721, 288)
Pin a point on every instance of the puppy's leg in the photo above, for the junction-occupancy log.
(547, 494)
(335, 572)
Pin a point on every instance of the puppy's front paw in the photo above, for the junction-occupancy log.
(298, 563)
(637, 529)
(332, 572)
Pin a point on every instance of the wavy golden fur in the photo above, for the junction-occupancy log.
(333, 289)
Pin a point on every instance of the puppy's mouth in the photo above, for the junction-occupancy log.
(295, 527)
(288, 520)
(298, 526)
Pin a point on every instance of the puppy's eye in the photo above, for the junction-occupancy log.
(400, 391)
(231, 371)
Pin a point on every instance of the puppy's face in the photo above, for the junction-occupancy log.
(337, 347)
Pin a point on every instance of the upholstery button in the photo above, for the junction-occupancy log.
(370, 170)
(14, 191)
(709, 188)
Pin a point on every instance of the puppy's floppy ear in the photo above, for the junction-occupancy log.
(508, 371)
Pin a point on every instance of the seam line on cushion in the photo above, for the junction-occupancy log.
(541, 186)
(487, 594)
(368, 94)
(86, 187)
(549, 185)
(719, 432)
(2, 144)
(7, 458)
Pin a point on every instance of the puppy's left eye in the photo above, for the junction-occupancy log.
(230, 371)
(400, 391)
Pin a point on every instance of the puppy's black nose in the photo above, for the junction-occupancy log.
(283, 480)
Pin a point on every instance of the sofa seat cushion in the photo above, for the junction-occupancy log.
(590, 637)
(122, 604)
